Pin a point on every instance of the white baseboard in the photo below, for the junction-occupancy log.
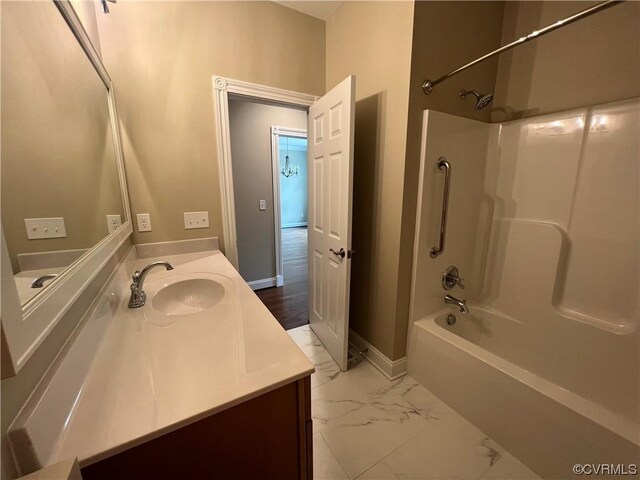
(392, 369)
(293, 225)
(264, 283)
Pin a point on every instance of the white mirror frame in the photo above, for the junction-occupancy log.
(25, 327)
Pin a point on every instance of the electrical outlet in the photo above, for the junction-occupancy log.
(262, 204)
(38, 228)
(113, 223)
(144, 222)
(196, 220)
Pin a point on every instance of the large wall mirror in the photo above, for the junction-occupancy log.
(62, 184)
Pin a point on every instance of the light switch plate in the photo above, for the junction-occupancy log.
(113, 223)
(38, 228)
(262, 205)
(144, 222)
(196, 220)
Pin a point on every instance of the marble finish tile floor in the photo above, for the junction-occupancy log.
(367, 427)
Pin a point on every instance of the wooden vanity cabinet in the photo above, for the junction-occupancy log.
(268, 437)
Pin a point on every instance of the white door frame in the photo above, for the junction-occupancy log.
(222, 88)
(276, 132)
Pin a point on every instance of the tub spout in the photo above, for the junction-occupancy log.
(461, 304)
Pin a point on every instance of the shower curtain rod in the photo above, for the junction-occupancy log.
(428, 85)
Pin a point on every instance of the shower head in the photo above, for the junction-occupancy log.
(482, 100)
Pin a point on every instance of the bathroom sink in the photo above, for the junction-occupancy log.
(185, 296)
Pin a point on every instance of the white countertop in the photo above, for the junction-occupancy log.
(23, 282)
(154, 373)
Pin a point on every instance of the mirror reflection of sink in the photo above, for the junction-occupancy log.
(188, 294)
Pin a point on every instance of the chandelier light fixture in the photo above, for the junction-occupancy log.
(289, 170)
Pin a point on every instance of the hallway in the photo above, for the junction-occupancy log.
(289, 303)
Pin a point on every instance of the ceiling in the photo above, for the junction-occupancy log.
(319, 9)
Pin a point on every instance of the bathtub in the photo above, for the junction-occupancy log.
(542, 408)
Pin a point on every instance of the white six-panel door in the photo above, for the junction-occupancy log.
(330, 175)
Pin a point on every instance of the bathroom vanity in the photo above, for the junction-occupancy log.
(200, 382)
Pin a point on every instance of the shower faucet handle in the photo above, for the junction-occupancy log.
(451, 277)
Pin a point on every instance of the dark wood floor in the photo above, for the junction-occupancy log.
(289, 303)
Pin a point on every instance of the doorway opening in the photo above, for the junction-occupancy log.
(288, 300)
(330, 121)
(269, 161)
(289, 303)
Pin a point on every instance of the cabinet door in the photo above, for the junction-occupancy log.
(265, 438)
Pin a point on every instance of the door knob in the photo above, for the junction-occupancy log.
(341, 253)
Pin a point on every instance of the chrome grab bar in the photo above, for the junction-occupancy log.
(443, 164)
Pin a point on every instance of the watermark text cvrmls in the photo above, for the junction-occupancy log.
(605, 469)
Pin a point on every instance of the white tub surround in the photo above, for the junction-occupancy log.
(544, 227)
(546, 426)
(147, 373)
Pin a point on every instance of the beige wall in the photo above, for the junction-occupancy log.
(87, 13)
(372, 40)
(253, 181)
(58, 158)
(593, 61)
(445, 36)
(161, 57)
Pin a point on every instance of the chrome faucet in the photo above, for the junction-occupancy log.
(138, 297)
(461, 304)
(39, 282)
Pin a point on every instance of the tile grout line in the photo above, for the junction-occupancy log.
(489, 468)
(496, 462)
(427, 421)
(417, 412)
(334, 455)
(392, 452)
(337, 459)
(319, 432)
